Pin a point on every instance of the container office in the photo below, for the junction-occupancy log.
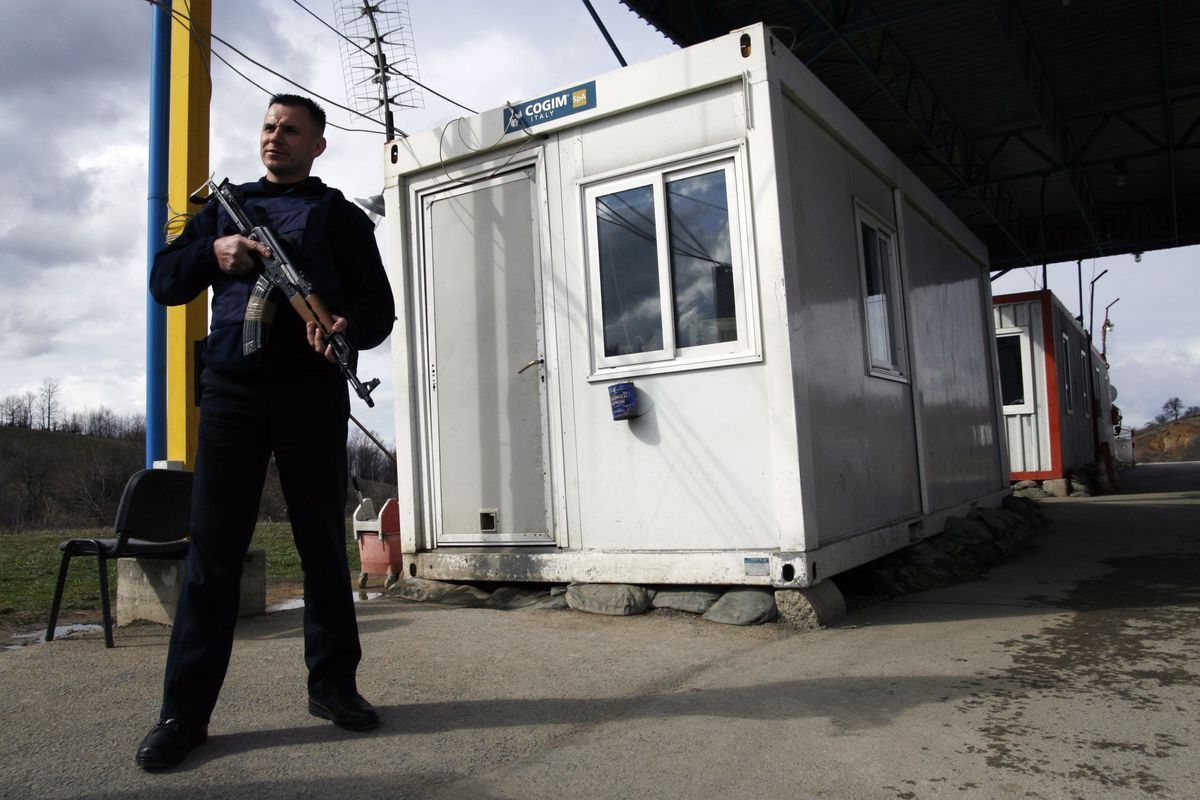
(1055, 390)
(686, 322)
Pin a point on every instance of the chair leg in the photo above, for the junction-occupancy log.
(108, 637)
(58, 591)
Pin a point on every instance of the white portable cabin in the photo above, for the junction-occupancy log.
(1055, 390)
(806, 327)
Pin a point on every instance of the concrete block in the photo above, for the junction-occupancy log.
(148, 588)
(814, 607)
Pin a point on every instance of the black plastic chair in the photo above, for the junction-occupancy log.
(152, 522)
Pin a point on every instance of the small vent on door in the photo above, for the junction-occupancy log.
(487, 520)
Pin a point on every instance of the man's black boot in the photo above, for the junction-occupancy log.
(345, 709)
(168, 742)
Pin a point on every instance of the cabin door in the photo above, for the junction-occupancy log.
(486, 373)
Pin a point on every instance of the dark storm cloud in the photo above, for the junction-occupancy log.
(66, 50)
(76, 91)
(75, 83)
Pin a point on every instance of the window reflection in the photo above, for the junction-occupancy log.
(629, 290)
(701, 260)
(881, 336)
(669, 284)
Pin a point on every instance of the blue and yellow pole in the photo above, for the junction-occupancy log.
(160, 57)
(191, 89)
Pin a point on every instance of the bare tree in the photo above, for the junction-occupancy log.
(22, 410)
(367, 461)
(10, 410)
(97, 476)
(25, 471)
(72, 422)
(133, 428)
(48, 404)
(44, 411)
(1172, 408)
(30, 410)
(102, 422)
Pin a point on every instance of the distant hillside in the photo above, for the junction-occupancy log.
(50, 479)
(56, 480)
(1170, 441)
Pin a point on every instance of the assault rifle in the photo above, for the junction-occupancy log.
(280, 274)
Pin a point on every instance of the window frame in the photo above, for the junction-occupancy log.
(1026, 407)
(1069, 382)
(670, 357)
(896, 305)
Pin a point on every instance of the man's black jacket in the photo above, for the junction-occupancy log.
(334, 246)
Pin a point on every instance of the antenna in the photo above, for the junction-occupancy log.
(379, 58)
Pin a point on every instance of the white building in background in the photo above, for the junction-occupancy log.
(687, 322)
(1058, 402)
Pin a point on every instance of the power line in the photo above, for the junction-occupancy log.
(208, 69)
(268, 92)
(179, 17)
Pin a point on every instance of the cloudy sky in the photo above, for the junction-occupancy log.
(74, 133)
(73, 143)
(1154, 345)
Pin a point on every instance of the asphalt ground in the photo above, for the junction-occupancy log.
(1070, 671)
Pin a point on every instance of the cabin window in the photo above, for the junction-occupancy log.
(1012, 369)
(1016, 370)
(630, 283)
(1068, 383)
(1083, 386)
(667, 270)
(882, 303)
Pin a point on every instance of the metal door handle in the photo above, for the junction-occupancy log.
(530, 364)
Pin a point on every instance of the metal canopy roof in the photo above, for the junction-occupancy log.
(1056, 130)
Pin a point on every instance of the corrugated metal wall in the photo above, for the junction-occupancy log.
(1077, 431)
(1027, 426)
(952, 364)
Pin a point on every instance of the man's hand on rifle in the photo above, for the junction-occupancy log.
(317, 339)
(235, 254)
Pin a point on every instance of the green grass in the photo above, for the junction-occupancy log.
(29, 566)
(283, 562)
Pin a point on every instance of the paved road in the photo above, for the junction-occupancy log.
(1072, 671)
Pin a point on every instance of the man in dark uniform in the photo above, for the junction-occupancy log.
(286, 400)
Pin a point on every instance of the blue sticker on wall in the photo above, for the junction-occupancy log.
(550, 107)
(756, 566)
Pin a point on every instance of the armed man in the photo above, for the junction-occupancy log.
(284, 397)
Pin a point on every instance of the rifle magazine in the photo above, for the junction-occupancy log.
(260, 314)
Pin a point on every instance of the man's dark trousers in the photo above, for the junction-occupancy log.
(303, 422)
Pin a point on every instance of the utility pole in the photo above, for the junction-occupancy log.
(156, 217)
(1104, 329)
(187, 325)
